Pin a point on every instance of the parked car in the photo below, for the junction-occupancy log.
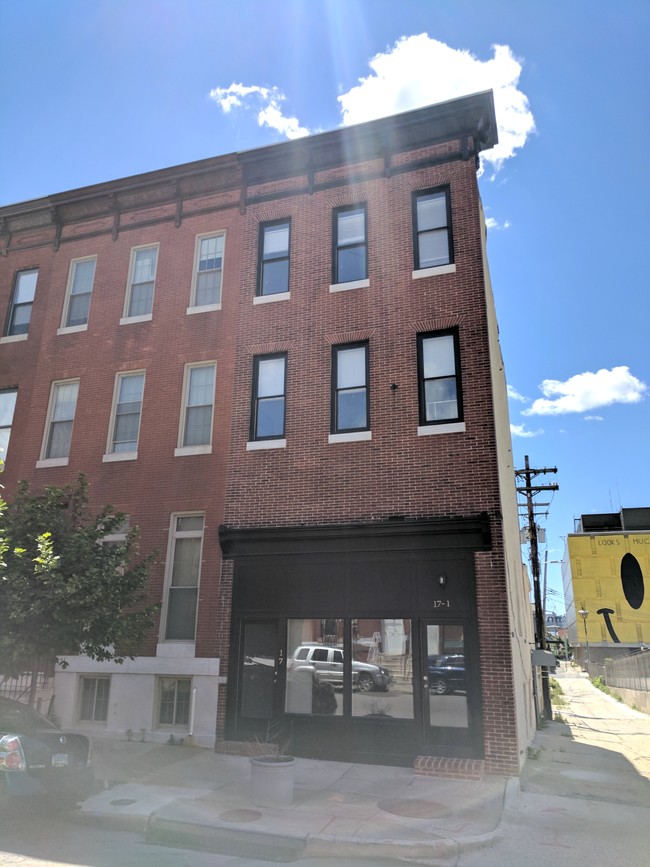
(446, 673)
(37, 758)
(327, 663)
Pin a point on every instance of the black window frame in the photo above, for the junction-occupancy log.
(335, 390)
(261, 260)
(419, 194)
(13, 306)
(421, 338)
(336, 247)
(254, 437)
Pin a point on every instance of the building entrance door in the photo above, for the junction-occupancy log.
(261, 658)
(446, 681)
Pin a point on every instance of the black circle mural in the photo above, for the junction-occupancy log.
(632, 581)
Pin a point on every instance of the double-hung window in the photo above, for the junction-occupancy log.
(350, 244)
(273, 266)
(439, 379)
(125, 417)
(208, 265)
(142, 281)
(7, 405)
(350, 404)
(269, 391)
(174, 703)
(78, 293)
(432, 240)
(184, 571)
(198, 406)
(22, 299)
(60, 419)
(94, 699)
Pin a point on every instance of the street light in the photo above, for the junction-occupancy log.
(584, 614)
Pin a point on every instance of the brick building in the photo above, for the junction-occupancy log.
(283, 365)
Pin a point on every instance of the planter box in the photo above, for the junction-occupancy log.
(272, 780)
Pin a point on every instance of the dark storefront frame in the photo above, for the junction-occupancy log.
(421, 571)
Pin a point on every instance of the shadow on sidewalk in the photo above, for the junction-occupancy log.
(559, 765)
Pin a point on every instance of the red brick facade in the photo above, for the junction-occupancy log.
(309, 481)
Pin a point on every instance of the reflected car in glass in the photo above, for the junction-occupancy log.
(446, 673)
(327, 664)
(38, 759)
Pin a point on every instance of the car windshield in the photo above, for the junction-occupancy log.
(16, 717)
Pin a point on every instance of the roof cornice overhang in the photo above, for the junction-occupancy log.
(470, 117)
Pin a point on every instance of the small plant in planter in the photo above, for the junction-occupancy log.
(272, 770)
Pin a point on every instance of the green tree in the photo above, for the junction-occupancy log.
(62, 590)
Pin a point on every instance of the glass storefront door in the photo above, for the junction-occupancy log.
(444, 677)
(260, 658)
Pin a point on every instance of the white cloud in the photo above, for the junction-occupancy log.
(519, 430)
(586, 391)
(265, 100)
(415, 72)
(593, 418)
(513, 394)
(419, 70)
(493, 223)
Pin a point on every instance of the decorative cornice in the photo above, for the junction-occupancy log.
(469, 120)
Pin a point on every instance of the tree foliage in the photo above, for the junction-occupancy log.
(63, 590)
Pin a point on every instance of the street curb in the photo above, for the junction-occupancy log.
(113, 822)
(246, 842)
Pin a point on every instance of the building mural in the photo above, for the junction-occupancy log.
(607, 588)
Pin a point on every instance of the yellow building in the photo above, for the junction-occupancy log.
(606, 577)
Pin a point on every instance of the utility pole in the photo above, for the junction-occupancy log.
(529, 490)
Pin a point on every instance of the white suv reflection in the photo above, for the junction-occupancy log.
(326, 661)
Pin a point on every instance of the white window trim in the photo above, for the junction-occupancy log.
(451, 427)
(55, 462)
(13, 338)
(352, 284)
(70, 329)
(198, 308)
(51, 462)
(351, 437)
(127, 295)
(205, 308)
(203, 448)
(169, 567)
(269, 299)
(128, 320)
(182, 451)
(436, 271)
(258, 445)
(115, 457)
(110, 456)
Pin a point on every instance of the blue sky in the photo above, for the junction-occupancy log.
(100, 89)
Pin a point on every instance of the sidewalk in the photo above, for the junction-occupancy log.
(195, 798)
(585, 779)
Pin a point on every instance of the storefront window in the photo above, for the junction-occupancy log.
(315, 670)
(382, 669)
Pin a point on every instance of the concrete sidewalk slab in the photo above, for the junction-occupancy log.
(195, 798)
